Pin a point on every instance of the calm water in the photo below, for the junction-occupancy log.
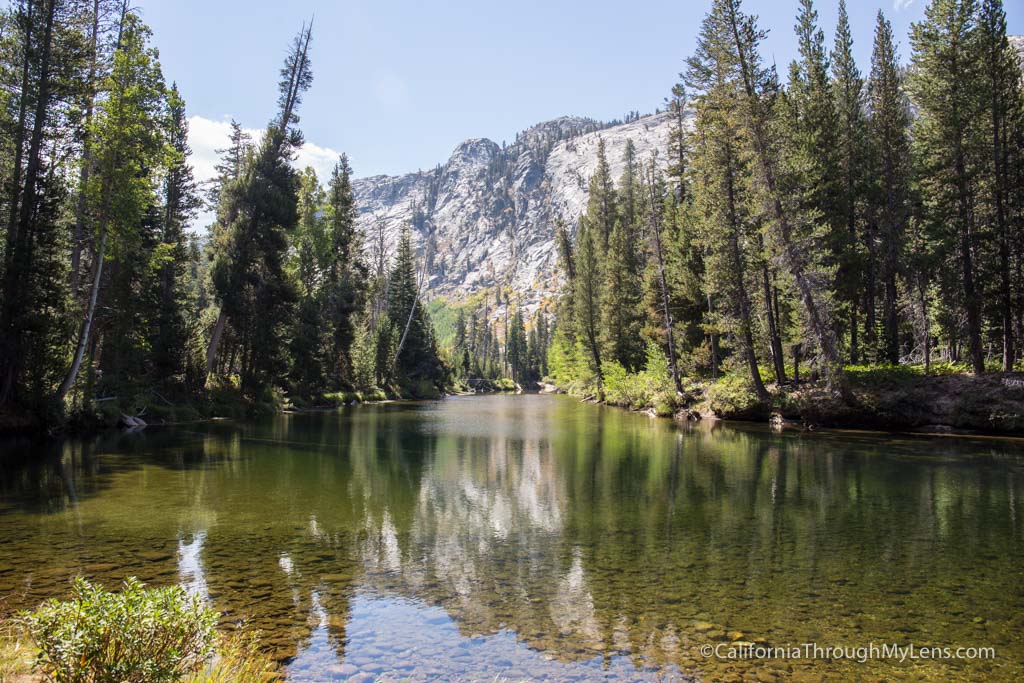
(536, 538)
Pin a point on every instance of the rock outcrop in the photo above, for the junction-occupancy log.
(489, 215)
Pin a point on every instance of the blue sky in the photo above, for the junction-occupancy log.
(399, 83)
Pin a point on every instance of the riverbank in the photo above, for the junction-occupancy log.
(218, 401)
(154, 409)
(885, 399)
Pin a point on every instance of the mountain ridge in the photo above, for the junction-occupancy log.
(488, 216)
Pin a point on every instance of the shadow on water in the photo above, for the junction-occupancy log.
(535, 537)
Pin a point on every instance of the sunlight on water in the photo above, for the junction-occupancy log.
(512, 538)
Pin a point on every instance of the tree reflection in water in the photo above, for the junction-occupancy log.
(534, 536)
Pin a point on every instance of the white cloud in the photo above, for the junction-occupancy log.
(206, 136)
(322, 159)
(900, 5)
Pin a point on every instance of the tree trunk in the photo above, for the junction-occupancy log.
(891, 316)
(743, 300)
(778, 361)
(713, 341)
(19, 238)
(214, 345)
(999, 189)
(90, 312)
(663, 284)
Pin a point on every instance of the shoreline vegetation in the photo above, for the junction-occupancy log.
(154, 410)
(896, 399)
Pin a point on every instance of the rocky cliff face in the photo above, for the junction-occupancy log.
(489, 215)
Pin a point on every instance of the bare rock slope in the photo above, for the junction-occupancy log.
(488, 216)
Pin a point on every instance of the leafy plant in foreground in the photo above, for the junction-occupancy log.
(142, 635)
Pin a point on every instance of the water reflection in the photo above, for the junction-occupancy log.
(190, 566)
(536, 537)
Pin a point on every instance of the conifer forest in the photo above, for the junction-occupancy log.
(808, 224)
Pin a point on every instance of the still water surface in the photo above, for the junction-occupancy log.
(534, 537)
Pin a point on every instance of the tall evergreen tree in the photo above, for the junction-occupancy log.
(129, 146)
(32, 271)
(943, 85)
(737, 38)
(601, 205)
(720, 170)
(848, 88)
(415, 363)
(256, 295)
(1004, 107)
(587, 297)
(621, 321)
(811, 151)
(890, 170)
(346, 271)
(173, 328)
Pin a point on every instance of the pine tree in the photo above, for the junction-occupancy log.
(347, 274)
(1004, 105)
(587, 296)
(32, 270)
(517, 351)
(720, 170)
(415, 364)
(736, 38)
(889, 128)
(229, 170)
(943, 85)
(811, 126)
(630, 194)
(129, 145)
(309, 344)
(658, 293)
(848, 88)
(677, 141)
(601, 206)
(175, 313)
(256, 294)
(621, 321)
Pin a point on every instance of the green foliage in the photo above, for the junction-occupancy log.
(733, 396)
(652, 387)
(414, 364)
(138, 634)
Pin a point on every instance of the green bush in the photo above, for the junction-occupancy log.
(649, 388)
(733, 396)
(140, 635)
(504, 384)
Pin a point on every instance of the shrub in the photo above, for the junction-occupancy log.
(505, 384)
(140, 635)
(733, 396)
(649, 388)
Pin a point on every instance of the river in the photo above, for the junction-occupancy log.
(534, 537)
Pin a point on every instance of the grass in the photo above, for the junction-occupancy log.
(238, 660)
(17, 655)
